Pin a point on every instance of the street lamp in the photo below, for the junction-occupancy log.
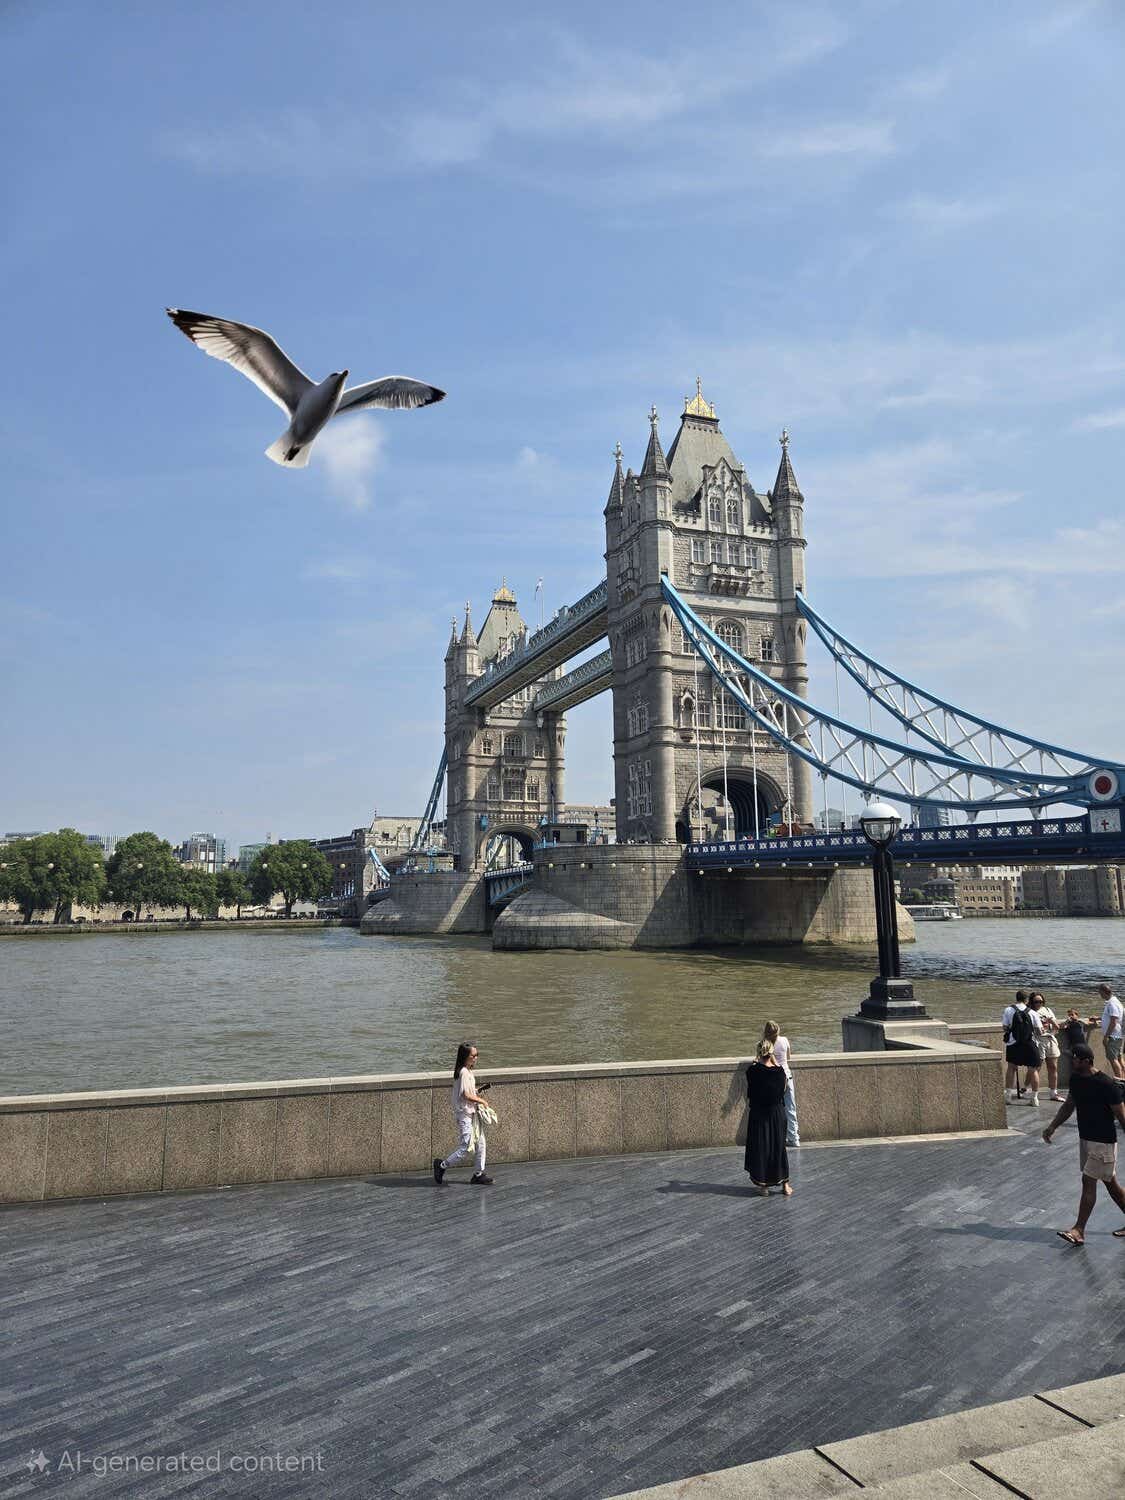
(891, 997)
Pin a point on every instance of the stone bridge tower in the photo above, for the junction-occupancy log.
(738, 557)
(504, 766)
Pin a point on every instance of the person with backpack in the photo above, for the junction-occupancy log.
(1023, 1029)
(1099, 1102)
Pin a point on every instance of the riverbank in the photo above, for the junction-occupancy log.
(196, 924)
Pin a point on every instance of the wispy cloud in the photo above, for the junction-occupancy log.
(833, 138)
(351, 451)
(1099, 421)
(925, 212)
(584, 93)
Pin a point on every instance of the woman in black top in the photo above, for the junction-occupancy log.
(767, 1160)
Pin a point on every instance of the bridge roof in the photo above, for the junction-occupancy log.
(699, 443)
(502, 622)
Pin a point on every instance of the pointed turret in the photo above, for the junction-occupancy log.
(785, 490)
(452, 647)
(655, 465)
(617, 484)
(467, 636)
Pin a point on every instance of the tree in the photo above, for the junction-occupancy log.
(232, 890)
(50, 872)
(197, 888)
(295, 868)
(142, 870)
(75, 870)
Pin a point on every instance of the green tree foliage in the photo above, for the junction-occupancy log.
(142, 871)
(50, 872)
(232, 890)
(197, 889)
(295, 868)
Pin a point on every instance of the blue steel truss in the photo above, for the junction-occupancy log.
(871, 762)
(421, 836)
(955, 731)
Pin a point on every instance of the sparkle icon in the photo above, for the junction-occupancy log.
(38, 1462)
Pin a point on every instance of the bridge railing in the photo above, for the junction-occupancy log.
(597, 667)
(568, 619)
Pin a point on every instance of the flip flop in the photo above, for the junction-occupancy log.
(1068, 1236)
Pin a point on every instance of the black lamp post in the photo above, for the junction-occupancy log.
(891, 997)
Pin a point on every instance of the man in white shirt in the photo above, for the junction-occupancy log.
(1112, 1027)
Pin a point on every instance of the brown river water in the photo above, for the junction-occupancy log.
(144, 1010)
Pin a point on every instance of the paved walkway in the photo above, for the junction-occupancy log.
(577, 1330)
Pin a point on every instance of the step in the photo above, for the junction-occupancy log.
(940, 1456)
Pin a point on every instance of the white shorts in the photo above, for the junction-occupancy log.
(1098, 1159)
(1050, 1046)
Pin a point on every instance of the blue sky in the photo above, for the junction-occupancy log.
(894, 229)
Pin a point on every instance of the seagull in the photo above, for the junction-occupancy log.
(309, 406)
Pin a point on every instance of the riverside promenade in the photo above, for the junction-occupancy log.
(581, 1329)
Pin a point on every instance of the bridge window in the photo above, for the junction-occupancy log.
(640, 789)
(513, 786)
(733, 512)
(635, 651)
(698, 550)
(767, 648)
(685, 644)
(636, 718)
(730, 633)
(731, 714)
(513, 746)
(486, 744)
(703, 713)
(715, 511)
(492, 789)
(716, 551)
(533, 791)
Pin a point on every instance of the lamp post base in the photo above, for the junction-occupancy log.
(892, 1000)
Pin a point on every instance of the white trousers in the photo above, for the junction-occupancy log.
(465, 1132)
(792, 1133)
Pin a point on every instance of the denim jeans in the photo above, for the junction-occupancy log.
(465, 1131)
(792, 1133)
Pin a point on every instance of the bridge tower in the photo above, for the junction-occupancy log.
(504, 764)
(737, 556)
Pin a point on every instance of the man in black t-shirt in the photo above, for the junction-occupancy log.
(1097, 1099)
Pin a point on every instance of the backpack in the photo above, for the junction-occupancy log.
(1021, 1029)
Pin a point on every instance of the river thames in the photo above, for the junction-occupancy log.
(114, 1011)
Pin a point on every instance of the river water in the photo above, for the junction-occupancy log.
(121, 1011)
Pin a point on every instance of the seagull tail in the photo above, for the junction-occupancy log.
(289, 454)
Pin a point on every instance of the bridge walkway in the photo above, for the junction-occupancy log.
(580, 1329)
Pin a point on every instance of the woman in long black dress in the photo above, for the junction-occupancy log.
(767, 1160)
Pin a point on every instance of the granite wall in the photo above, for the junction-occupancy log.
(170, 1140)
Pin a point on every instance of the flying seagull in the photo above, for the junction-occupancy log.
(308, 406)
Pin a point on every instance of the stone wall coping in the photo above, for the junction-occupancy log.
(921, 1055)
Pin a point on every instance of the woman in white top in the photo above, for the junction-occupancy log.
(465, 1102)
(782, 1052)
(1048, 1042)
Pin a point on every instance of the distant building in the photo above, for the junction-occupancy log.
(247, 854)
(202, 851)
(833, 821)
(929, 816)
(106, 842)
(11, 838)
(353, 874)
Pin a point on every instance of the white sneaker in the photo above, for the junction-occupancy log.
(1033, 1100)
(1010, 1095)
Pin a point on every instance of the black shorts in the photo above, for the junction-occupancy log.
(1023, 1054)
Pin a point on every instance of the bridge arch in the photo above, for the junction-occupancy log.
(741, 792)
(519, 838)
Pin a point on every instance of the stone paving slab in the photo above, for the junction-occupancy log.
(582, 1329)
(945, 1441)
(1089, 1466)
(1093, 1401)
(954, 1483)
(796, 1476)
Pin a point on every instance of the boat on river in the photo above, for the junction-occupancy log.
(936, 911)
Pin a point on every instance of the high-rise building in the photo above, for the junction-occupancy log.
(202, 851)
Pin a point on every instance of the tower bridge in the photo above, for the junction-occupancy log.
(706, 622)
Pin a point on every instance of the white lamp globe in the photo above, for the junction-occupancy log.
(880, 823)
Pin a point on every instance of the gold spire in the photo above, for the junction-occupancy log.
(696, 406)
(503, 594)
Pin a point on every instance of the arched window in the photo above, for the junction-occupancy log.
(513, 746)
(730, 633)
(715, 511)
(734, 517)
(486, 745)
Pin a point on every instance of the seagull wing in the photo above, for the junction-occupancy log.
(250, 351)
(397, 391)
